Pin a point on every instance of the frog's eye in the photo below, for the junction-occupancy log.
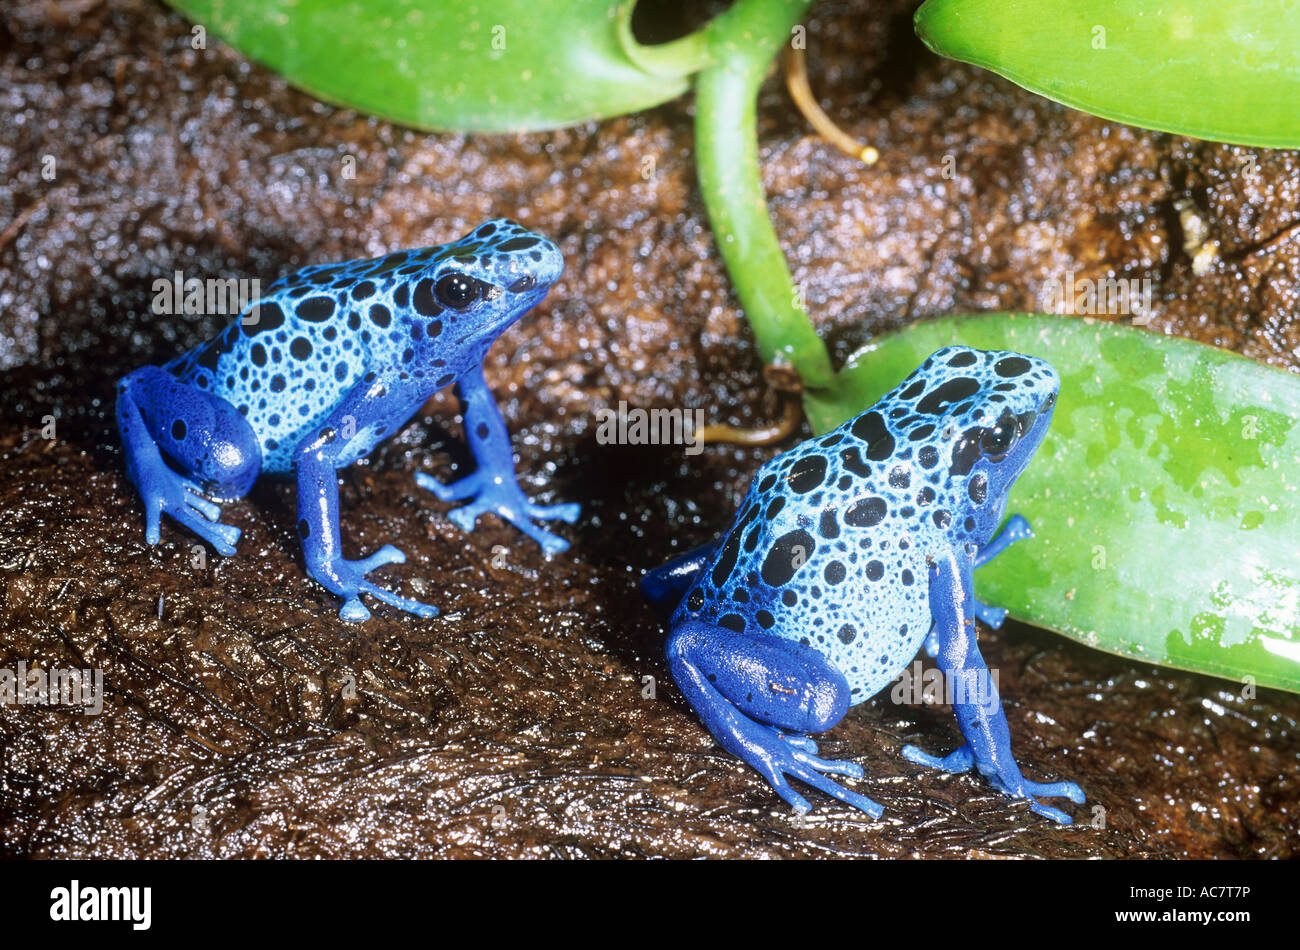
(996, 440)
(456, 290)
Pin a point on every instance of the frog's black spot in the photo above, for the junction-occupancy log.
(870, 428)
(277, 383)
(517, 244)
(370, 377)
(179, 430)
(272, 444)
(789, 553)
(269, 317)
(969, 525)
(847, 633)
(316, 309)
(695, 601)
(766, 484)
(732, 622)
(362, 290)
(963, 359)
(953, 391)
(907, 578)
(853, 461)
(914, 390)
(274, 419)
(444, 380)
(834, 572)
(832, 440)
(1004, 387)
(774, 508)
(844, 482)
(900, 476)
(875, 570)
(481, 430)
(765, 619)
(789, 598)
(341, 371)
(380, 315)
(486, 230)
(209, 355)
(402, 295)
(740, 595)
(866, 512)
(1011, 366)
(304, 529)
(920, 432)
(302, 291)
(433, 328)
(807, 474)
(243, 410)
(726, 562)
(408, 354)
(925, 495)
(300, 348)
(942, 519)
(966, 451)
(258, 354)
(827, 526)
(978, 489)
(928, 456)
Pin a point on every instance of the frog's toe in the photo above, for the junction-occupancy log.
(833, 766)
(810, 774)
(221, 536)
(567, 512)
(388, 554)
(456, 491)
(396, 600)
(959, 760)
(802, 743)
(1047, 811)
(1056, 790)
(354, 611)
(992, 616)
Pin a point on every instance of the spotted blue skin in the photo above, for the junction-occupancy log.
(847, 554)
(329, 362)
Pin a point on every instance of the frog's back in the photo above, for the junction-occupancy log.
(286, 362)
(827, 550)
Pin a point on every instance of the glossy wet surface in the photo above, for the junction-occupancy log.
(247, 720)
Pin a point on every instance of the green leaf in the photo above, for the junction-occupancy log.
(1223, 70)
(1165, 500)
(504, 66)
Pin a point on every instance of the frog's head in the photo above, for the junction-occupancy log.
(982, 412)
(477, 286)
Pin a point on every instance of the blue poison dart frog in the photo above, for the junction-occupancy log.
(329, 362)
(850, 551)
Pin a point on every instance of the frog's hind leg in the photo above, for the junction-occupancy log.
(160, 417)
(666, 585)
(749, 689)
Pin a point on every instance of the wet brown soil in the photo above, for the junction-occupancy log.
(535, 717)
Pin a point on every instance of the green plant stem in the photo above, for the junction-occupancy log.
(742, 44)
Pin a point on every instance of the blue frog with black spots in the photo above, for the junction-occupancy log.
(331, 360)
(847, 554)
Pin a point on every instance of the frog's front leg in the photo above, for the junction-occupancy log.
(348, 433)
(666, 585)
(978, 706)
(493, 487)
(1016, 529)
(203, 434)
(750, 689)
